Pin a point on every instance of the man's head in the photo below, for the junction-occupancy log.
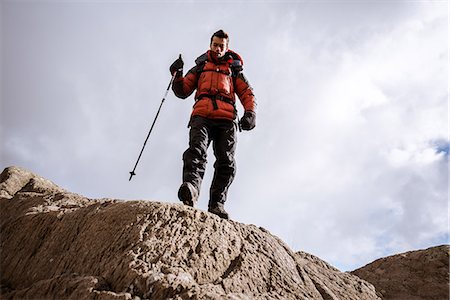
(219, 43)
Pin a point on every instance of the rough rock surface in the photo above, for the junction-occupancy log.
(414, 275)
(60, 245)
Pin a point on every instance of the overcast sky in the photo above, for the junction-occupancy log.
(349, 159)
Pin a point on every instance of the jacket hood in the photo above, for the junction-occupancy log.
(233, 56)
(229, 56)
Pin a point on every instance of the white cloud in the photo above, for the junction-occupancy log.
(351, 134)
(344, 162)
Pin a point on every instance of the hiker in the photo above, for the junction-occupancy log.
(217, 76)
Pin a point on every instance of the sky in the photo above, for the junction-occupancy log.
(349, 158)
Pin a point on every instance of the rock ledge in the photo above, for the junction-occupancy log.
(60, 245)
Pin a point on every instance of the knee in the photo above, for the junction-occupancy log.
(226, 162)
(194, 154)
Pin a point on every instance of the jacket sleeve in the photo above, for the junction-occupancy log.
(183, 87)
(245, 92)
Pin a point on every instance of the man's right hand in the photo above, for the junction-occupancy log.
(177, 66)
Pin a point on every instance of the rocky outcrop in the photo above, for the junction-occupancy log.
(414, 275)
(60, 245)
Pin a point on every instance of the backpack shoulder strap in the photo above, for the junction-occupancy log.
(236, 67)
(200, 62)
(236, 63)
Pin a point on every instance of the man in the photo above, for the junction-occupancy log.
(217, 77)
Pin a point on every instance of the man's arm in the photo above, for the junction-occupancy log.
(183, 87)
(245, 92)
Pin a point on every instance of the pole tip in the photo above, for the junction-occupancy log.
(131, 175)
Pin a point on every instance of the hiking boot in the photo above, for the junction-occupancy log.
(218, 209)
(188, 194)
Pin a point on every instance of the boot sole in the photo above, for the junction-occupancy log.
(184, 194)
(224, 216)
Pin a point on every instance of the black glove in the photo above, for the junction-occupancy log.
(177, 66)
(248, 120)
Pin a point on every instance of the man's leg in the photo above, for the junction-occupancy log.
(224, 145)
(194, 161)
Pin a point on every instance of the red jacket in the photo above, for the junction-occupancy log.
(217, 81)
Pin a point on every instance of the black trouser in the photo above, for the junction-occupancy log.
(222, 133)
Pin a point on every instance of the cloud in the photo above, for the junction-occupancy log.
(349, 163)
(349, 157)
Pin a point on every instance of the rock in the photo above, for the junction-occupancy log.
(13, 179)
(414, 275)
(330, 282)
(60, 245)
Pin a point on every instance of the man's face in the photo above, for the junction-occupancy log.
(219, 46)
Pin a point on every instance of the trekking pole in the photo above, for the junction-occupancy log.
(153, 124)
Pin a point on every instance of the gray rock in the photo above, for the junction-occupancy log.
(60, 245)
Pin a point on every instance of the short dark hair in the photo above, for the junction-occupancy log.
(220, 34)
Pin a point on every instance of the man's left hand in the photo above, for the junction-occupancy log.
(248, 121)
